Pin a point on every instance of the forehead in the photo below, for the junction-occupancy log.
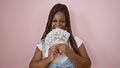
(59, 15)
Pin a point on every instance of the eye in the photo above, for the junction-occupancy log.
(54, 20)
(62, 21)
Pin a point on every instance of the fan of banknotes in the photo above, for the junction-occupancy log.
(57, 36)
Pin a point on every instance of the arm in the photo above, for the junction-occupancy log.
(37, 60)
(82, 61)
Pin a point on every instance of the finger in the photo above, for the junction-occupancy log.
(62, 47)
(56, 44)
(55, 50)
(62, 52)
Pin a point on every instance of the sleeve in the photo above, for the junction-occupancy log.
(78, 41)
(39, 45)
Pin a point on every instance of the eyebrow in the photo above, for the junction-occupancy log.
(60, 19)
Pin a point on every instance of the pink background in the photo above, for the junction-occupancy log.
(22, 23)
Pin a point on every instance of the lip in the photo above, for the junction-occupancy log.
(58, 26)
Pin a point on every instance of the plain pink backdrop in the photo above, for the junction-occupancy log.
(22, 23)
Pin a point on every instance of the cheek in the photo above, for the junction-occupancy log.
(64, 25)
(52, 25)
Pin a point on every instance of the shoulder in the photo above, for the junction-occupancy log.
(78, 40)
(40, 44)
(40, 41)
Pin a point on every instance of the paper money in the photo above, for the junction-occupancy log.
(57, 36)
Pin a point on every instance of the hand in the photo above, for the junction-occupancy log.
(53, 51)
(63, 49)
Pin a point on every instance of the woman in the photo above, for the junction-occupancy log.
(76, 52)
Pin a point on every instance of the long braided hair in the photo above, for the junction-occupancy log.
(64, 9)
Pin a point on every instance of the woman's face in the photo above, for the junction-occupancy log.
(59, 21)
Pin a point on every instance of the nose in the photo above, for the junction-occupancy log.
(58, 23)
